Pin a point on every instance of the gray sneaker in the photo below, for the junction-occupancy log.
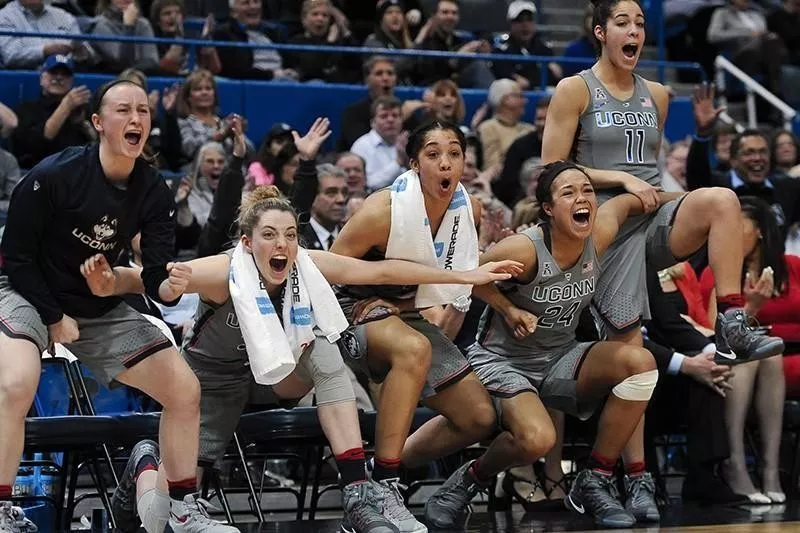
(395, 507)
(190, 516)
(449, 508)
(123, 501)
(640, 498)
(12, 520)
(738, 342)
(596, 495)
(364, 508)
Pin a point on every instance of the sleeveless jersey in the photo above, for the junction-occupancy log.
(557, 297)
(619, 135)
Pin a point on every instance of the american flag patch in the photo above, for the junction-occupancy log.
(587, 267)
(646, 102)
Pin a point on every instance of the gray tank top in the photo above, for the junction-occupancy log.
(557, 297)
(619, 135)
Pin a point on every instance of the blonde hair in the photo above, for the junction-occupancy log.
(308, 5)
(260, 200)
(192, 80)
(134, 75)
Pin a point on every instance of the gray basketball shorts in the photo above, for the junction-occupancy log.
(448, 365)
(553, 378)
(228, 387)
(620, 297)
(108, 344)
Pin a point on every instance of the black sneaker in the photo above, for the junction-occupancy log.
(123, 501)
(449, 506)
(640, 497)
(738, 342)
(596, 495)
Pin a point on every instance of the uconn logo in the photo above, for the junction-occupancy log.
(102, 232)
(620, 119)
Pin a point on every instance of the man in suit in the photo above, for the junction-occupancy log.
(328, 209)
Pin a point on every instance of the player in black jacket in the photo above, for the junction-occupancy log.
(72, 205)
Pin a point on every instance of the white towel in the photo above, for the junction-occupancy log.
(454, 248)
(274, 349)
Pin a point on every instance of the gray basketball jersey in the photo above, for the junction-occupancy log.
(557, 297)
(215, 337)
(619, 135)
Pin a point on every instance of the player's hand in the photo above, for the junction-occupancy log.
(644, 191)
(521, 322)
(176, 283)
(99, 275)
(64, 331)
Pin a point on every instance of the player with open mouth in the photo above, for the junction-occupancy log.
(609, 120)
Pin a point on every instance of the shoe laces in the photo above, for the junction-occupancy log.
(395, 501)
(198, 510)
(642, 488)
(13, 517)
(603, 491)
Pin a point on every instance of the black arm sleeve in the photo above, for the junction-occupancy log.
(216, 233)
(698, 166)
(304, 191)
(29, 215)
(666, 325)
(158, 240)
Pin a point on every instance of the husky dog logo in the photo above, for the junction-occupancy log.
(105, 229)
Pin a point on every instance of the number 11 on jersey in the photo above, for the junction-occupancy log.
(634, 146)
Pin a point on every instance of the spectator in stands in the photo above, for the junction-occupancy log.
(785, 152)
(508, 186)
(322, 29)
(506, 126)
(355, 168)
(582, 47)
(123, 18)
(9, 176)
(770, 288)
(392, 32)
(8, 121)
(784, 21)
(163, 144)
(673, 177)
(288, 13)
(439, 33)
(37, 16)
(749, 174)
(167, 19)
(740, 32)
(523, 39)
(329, 208)
(281, 170)
(721, 139)
(195, 194)
(384, 147)
(442, 101)
(691, 387)
(246, 26)
(57, 119)
(380, 78)
(199, 122)
(262, 171)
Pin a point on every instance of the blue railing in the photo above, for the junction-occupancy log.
(542, 61)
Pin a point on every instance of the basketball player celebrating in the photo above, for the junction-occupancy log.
(216, 351)
(527, 355)
(393, 343)
(610, 121)
(66, 209)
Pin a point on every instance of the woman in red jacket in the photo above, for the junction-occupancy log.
(771, 285)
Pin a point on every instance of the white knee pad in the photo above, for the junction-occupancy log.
(638, 387)
(153, 508)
